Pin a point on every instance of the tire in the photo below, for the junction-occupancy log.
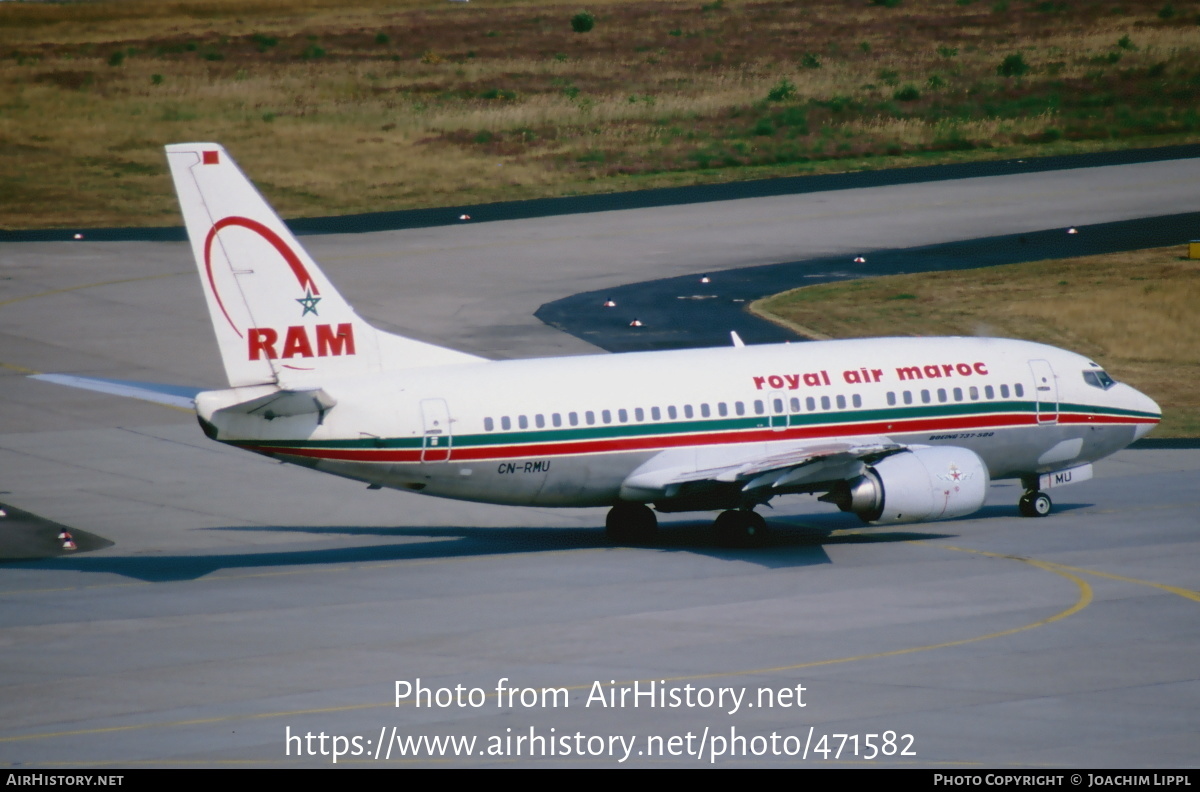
(631, 523)
(737, 528)
(1035, 504)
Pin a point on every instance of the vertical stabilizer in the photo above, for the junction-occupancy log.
(277, 317)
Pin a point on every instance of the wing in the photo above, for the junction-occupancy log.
(688, 479)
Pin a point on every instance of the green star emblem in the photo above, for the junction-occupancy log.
(309, 302)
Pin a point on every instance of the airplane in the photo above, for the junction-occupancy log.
(894, 430)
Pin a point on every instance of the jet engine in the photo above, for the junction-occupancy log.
(920, 484)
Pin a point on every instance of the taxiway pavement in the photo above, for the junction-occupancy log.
(243, 601)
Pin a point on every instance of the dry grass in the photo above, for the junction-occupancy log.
(1135, 313)
(356, 105)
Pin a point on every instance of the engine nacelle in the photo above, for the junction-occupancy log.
(922, 484)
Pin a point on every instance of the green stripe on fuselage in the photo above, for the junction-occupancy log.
(832, 419)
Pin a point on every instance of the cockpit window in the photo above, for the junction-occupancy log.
(1098, 379)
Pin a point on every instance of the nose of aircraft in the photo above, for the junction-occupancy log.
(1143, 403)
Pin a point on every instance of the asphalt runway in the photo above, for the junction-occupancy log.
(244, 602)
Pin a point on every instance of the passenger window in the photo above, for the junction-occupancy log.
(556, 419)
(891, 399)
(1019, 389)
(958, 394)
(488, 425)
(704, 411)
(759, 407)
(623, 415)
(505, 423)
(590, 417)
(795, 404)
(825, 403)
(1003, 391)
(672, 413)
(722, 409)
(573, 418)
(639, 414)
(656, 414)
(687, 411)
(841, 402)
(777, 406)
(856, 400)
(941, 395)
(522, 422)
(925, 397)
(989, 392)
(811, 404)
(606, 416)
(908, 397)
(539, 421)
(974, 393)
(739, 408)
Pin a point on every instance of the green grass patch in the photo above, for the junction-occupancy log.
(670, 93)
(1132, 312)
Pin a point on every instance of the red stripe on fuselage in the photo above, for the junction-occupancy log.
(660, 442)
(1090, 418)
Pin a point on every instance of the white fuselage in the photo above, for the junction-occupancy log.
(569, 431)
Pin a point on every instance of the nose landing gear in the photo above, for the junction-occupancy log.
(1035, 504)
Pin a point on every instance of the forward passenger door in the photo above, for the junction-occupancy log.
(1045, 386)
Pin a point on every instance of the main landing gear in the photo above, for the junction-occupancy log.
(636, 523)
(1034, 504)
(631, 523)
(740, 528)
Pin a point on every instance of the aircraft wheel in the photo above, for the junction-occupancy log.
(738, 528)
(630, 523)
(1035, 504)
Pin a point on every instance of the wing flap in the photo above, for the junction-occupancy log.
(756, 476)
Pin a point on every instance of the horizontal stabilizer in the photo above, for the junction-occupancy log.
(172, 395)
(285, 404)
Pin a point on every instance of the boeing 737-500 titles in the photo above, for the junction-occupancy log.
(895, 430)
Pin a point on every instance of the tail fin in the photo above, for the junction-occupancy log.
(277, 317)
